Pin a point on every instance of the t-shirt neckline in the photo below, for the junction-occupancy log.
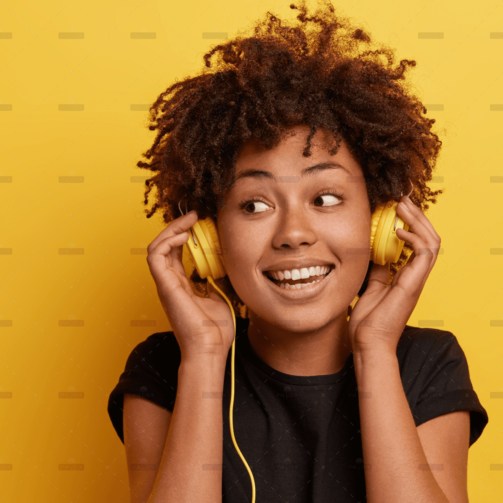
(244, 347)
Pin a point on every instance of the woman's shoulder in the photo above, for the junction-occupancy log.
(156, 359)
(160, 347)
(424, 336)
(419, 343)
(155, 346)
(436, 377)
(432, 363)
(424, 349)
(151, 372)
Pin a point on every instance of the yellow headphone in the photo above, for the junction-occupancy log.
(204, 247)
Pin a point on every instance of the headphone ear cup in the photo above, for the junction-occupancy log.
(386, 246)
(204, 247)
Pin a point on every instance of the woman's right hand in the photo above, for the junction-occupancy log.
(202, 326)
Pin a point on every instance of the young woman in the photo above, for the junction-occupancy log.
(328, 407)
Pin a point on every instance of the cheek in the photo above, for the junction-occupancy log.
(241, 256)
(351, 248)
(241, 252)
(349, 240)
(359, 244)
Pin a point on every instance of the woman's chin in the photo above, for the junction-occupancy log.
(297, 318)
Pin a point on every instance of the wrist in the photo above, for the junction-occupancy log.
(211, 360)
(373, 358)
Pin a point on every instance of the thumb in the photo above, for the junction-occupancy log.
(379, 274)
(222, 284)
(214, 295)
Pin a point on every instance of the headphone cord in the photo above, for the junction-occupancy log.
(210, 279)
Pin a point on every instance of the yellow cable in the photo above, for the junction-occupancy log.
(210, 279)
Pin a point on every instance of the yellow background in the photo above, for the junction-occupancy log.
(76, 294)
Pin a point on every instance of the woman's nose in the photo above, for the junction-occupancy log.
(294, 229)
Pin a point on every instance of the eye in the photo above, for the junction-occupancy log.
(331, 198)
(255, 204)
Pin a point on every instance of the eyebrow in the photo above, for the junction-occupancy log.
(258, 173)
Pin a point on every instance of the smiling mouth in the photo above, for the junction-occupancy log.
(290, 283)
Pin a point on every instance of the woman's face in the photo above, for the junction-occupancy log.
(288, 222)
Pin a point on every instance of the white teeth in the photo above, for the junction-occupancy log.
(298, 286)
(295, 274)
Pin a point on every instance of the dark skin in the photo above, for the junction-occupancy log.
(293, 222)
(308, 335)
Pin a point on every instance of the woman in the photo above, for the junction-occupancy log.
(326, 408)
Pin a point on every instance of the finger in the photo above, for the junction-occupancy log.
(428, 251)
(417, 226)
(411, 257)
(418, 213)
(168, 253)
(400, 271)
(415, 223)
(220, 283)
(378, 277)
(177, 226)
(421, 264)
(215, 296)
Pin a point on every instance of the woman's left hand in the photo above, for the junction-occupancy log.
(380, 315)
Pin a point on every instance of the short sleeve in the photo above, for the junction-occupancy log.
(446, 386)
(151, 371)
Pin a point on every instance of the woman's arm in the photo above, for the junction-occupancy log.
(396, 468)
(191, 465)
(146, 426)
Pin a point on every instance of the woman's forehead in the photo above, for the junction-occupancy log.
(288, 156)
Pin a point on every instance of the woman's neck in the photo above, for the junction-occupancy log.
(323, 351)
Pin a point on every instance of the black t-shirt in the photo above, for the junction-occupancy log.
(300, 435)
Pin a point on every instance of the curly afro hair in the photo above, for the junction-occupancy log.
(324, 73)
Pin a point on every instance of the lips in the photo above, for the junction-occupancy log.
(298, 281)
(301, 292)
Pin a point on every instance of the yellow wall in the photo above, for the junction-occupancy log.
(72, 284)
